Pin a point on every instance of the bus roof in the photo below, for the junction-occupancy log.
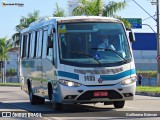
(49, 20)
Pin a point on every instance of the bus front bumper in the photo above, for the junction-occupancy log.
(86, 94)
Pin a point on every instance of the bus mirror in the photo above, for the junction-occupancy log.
(132, 37)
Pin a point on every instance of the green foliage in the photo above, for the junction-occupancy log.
(89, 7)
(4, 49)
(126, 23)
(112, 7)
(59, 12)
(148, 73)
(10, 84)
(26, 21)
(11, 72)
(148, 89)
(96, 7)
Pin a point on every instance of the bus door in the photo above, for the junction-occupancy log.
(47, 58)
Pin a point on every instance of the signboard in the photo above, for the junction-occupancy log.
(136, 23)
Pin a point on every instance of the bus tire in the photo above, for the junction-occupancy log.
(118, 104)
(32, 97)
(55, 105)
(35, 99)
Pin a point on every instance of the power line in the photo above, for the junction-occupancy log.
(148, 17)
(144, 10)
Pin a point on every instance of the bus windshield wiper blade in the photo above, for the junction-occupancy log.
(86, 54)
(107, 49)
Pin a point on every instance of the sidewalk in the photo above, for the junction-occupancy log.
(148, 94)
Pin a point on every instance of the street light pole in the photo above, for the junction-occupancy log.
(158, 42)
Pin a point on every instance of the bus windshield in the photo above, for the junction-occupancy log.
(93, 44)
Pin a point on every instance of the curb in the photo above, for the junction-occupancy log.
(148, 94)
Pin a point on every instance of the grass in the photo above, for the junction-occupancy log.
(10, 84)
(148, 89)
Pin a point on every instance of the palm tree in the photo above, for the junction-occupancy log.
(26, 21)
(97, 8)
(3, 54)
(89, 7)
(59, 12)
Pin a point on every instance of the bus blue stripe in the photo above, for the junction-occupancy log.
(104, 77)
(118, 76)
(68, 75)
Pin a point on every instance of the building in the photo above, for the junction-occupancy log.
(72, 4)
(145, 51)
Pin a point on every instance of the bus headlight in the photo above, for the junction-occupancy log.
(128, 81)
(69, 83)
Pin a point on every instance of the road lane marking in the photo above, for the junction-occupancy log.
(131, 107)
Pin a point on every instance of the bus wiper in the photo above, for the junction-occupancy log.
(86, 54)
(107, 49)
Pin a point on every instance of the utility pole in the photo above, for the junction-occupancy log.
(158, 42)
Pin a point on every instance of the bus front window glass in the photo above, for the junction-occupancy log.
(93, 43)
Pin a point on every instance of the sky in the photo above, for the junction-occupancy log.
(11, 15)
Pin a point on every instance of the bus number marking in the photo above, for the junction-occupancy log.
(89, 78)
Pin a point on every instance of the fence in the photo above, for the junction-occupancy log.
(148, 82)
(11, 79)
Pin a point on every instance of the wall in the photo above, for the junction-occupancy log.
(145, 51)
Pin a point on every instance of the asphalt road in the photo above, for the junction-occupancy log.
(14, 100)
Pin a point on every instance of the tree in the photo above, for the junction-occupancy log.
(97, 8)
(89, 7)
(26, 21)
(3, 54)
(59, 12)
(4, 48)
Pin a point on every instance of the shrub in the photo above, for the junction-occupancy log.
(148, 73)
(11, 72)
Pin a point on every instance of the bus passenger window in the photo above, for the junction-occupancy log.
(39, 44)
(21, 47)
(44, 44)
(50, 44)
(24, 46)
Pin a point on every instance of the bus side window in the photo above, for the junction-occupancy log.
(39, 44)
(44, 49)
(50, 44)
(35, 43)
(29, 42)
(24, 46)
(21, 46)
(32, 45)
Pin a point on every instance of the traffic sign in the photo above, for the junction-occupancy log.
(158, 58)
(136, 23)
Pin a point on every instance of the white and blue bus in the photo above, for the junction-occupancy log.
(60, 60)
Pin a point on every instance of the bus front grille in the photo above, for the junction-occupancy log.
(88, 95)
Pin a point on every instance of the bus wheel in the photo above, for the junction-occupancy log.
(56, 106)
(118, 104)
(35, 99)
(31, 96)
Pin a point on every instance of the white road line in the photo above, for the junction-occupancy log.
(131, 107)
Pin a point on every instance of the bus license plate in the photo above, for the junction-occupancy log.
(100, 94)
